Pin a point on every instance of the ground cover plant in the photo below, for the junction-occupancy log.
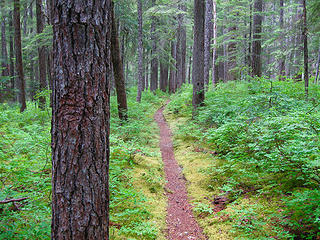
(266, 136)
(25, 171)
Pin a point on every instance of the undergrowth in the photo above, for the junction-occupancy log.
(267, 136)
(25, 170)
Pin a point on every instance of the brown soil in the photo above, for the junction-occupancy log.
(181, 223)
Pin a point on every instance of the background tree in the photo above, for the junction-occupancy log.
(198, 54)
(18, 49)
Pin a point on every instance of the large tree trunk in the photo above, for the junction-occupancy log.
(256, 46)
(19, 64)
(154, 60)
(214, 51)
(41, 54)
(207, 40)
(305, 49)
(198, 54)
(80, 120)
(140, 51)
(118, 70)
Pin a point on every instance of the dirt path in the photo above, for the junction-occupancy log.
(181, 223)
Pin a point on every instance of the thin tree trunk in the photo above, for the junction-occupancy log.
(140, 51)
(118, 70)
(172, 69)
(183, 49)
(19, 64)
(256, 47)
(163, 76)
(5, 65)
(11, 56)
(33, 79)
(41, 54)
(154, 60)
(305, 49)
(147, 71)
(80, 120)
(232, 60)
(250, 42)
(282, 57)
(198, 54)
(318, 64)
(214, 52)
(178, 77)
(207, 40)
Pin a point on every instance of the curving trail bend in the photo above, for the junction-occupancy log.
(181, 224)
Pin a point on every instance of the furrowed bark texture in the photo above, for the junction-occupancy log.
(198, 54)
(19, 64)
(140, 51)
(256, 45)
(118, 70)
(80, 119)
(41, 54)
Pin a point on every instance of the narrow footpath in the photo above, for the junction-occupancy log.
(181, 224)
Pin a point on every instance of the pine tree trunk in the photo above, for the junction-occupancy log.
(207, 40)
(11, 56)
(118, 70)
(41, 54)
(154, 60)
(256, 46)
(163, 76)
(318, 65)
(19, 64)
(305, 49)
(178, 77)
(140, 51)
(198, 54)
(232, 60)
(172, 77)
(282, 57)
(214, 51)
(4, 52)
(80, 120)
(183, 50)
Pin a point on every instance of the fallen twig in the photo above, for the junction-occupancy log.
(13, 200)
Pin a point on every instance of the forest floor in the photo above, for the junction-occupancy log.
(181, 224)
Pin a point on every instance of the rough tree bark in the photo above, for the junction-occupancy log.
(41, 54)
(140, 51)
(154, 60)
(118, 70)
(256, 45)
(198, 54)
(207, 40)
(80, 119)
(282, 57)
(305, 49)
(163, 76)
(178, 77)
(19, 64)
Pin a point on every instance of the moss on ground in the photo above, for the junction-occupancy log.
(249, 217)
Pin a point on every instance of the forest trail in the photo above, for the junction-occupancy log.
(181, 224)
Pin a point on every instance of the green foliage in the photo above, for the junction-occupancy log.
(268, 136)
(25, 169)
